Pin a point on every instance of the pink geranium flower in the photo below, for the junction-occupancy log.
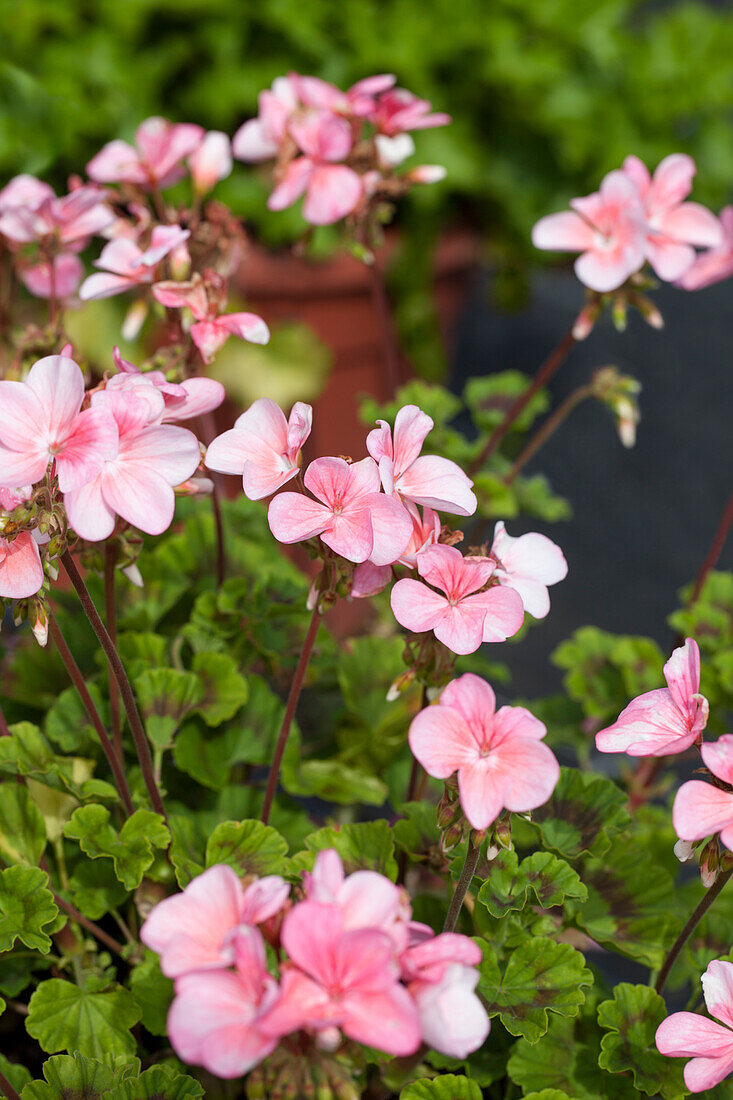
(41, 422)
(21, 571)
(211, 330)
(154, 161)
(56, 279)
(210, 162)
(715, 265)
(260, 138)
(528, 564)
(70, 220)
(442, 978)
(607, 227)
(460, 615)
(397, 111)
(366, 899)
(181, 400)
(370, 579)
(216, 1017)
(499, 755)
(358, 101)
(138, 483)
(673, 226)
(701, 809)
(195, 930)
(127, 265)
(664, 721)
(707, 1043)
(26, 192)
(423, 479)
(262, 446)
(331, 190)
(349, 513)
(345, 979)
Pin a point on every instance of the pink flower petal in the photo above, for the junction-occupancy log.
(208, 336)
(692, 223)
(672, 181)
(437, 483)
(700, 809)
(248, 326)
(21, 572)
(293, 184)
(717, 987)
(475, 700)
(252, 142)
(417, 607)
(103, 285)
(333, 192)
(481, 795)
(651, 725)
(90, 442)
(140, 495)
(391, 528)
(564, 232)
(441, 741)
(504, 613)
(89, 514)
(718, 757)
(461, 628)
(172, 452)
(203, 395)
(387, 1020)
(294, 517)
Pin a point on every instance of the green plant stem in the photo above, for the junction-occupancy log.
(415, 771)
(93, 714)
(548, 429)
(7, 1089)
(123, 683)
(96, 931)
(110, 614)
(464, 881)
(282, 737)
(551, 365)
(716, 548)
(690, 926)
(390, 350)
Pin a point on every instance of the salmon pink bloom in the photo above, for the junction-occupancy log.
(138, 483)
(528, 564)
(608, 227)
(349, 513)
(702, 809)
(70, 220)
(57, 279)
(262, 446)
(41, 422)
(370, 579)
(664, 721)
(500, 758)
(715, 265)
(195, 930)
(26, 192)
(461, 615)
(442, 978)
(154, 161)
(210, 162)
(345, 979)
(260, 138)
(216, 1017)
(358, 101)
(211, 331)
(672, 225)
(422, 479)
(181, 400)
(331, 190)
(707, 1043)
(21, 572)
(366, 899)
(396, 111)
(126, 265)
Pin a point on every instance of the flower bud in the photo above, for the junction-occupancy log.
(39, 623)
(134, 319)
(709, 863)
(503, 832)
(211, 162)
(586, 319)
(400, 685)
(426, 173)
(684, 851)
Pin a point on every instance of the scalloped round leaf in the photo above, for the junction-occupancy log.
(157, 1083)
(631, 1020)
(26, 908)
(73, 1077)
(14, 1073)
(446, 1087)
(67, 723)
(132, 850)
(334, 781)
(363, 846)
(224, 689)
(250, 847)
(166, 696)
(543, 877)
(548, 1094)
(581, 815)
(153, 992)
(22, 828)
(61, 1016)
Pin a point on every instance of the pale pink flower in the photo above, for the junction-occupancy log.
(260, 138)
(26, 192)
(702, 809)
(460, 615)
(500, 758)
(673, 226)
(369, 579)
(138, 483)
(126, 265)
(69, 221)
(331, 190)
(607, 227)
(58, 279)
(358, 101)
(195, 930)
(41, 422)
(210, 162)
(528, 564)
(346, 979)
(397, 111)
(707, 1043)
(211, 331)
(181, 400)
(216, 1017)
(423, 479)
(154, 161)
(664, 721)
(21, 572)
(349, 513)
(366, 899)
(442, 978)
(715, 265)
(262, 446)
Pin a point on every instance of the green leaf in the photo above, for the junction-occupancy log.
(72, 1077)
(548, 878)
(132, 851)
(710, 618)
(365, 845)
(153, 993)
(631, 1020)
(547, 1094)
(334, 781)
(582, 814)
(26, 752)
(417, 832)
(26, 908)
(17, 1075)
(605, 670)
(157, 1083)
(140, 651)
(166, 696)
(541, 976)
(446, 1087)
(94, 887)
(187, 848)
(22, 828)
(224, 690)
(250, 847)
(61, 1016)
(67, 724)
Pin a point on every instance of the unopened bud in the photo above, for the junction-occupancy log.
(211, 162)
(684, 851)
(618, 313)
(427, 173)
(503, 832)
(586, 319)
(134, 319)
(39, 623)
(648, 310)
(255, 1085)
(400, 685)
(179, 262)
(133, 575)
(452, 836)
(328, 1039)
(709, 863)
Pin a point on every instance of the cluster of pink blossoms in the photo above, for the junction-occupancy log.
(636, 218)
(352, 963)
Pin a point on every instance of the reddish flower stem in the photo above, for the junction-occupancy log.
(690, 926)
(7, 1089)
(459, 894)
(548, 429)
(123, 683)
(282, 737)
(716, 549)
(94, 717)
(4, 731)
(208, 432)
(96, 931)
(110, 614)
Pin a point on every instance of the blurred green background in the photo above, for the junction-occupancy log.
(547, 95)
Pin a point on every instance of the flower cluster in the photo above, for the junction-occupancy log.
(352, 963)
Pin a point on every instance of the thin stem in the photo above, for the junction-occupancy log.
(692, 923)
(128, 699)
(282, 737)
(391, 355)
(4, 731)
(716, 548)
(459, 894)
(110, 614)
(548, 429)
(7, 1089)
(96, 931)
(208, 432)
(94, 717)
(414, 780)
(551, 365)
